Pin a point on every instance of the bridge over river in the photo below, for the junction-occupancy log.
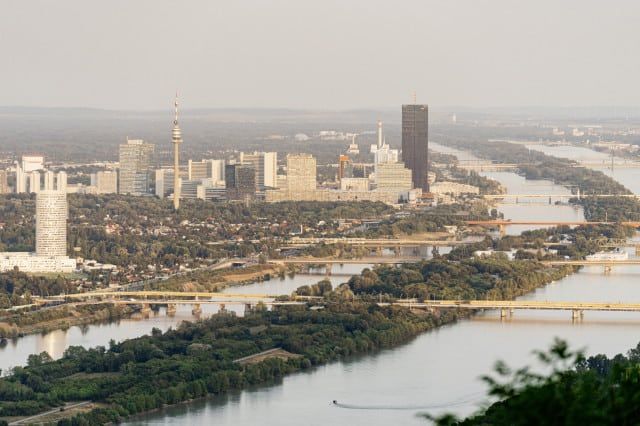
(508, 306)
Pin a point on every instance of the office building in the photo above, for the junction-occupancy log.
(393, 177)
(206, 169)
(4, 185)
(301, 173)
(105, 182)
(35, 182)
(32, 163)
(135, 161)
(61, 182)
(354, 184)
(49, 180)
(21, 179)
(240, 181)
(415, 143)
(164, 182)
(265, 165)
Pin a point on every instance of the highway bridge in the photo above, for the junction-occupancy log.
(508, 306)
(173, 298)
(486, 165)
(375, 242)
(329, 262)
(502, 224)
(556, 196)
(383, 260)
(608, 264)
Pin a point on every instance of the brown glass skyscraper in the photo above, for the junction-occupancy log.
(415, 143)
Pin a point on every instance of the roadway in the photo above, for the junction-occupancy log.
(360, 261)
(524, 304)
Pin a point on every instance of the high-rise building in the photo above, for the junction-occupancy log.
(266, 166)
(51, 238)
(393, 177)
(164, 182)
(343, 162)
(206, 169)
(135, 161)
(176, 136)
(301, 173)
(51, 223)
(49, 180)
(21, 179)
(62, 182)
(4, 185)
(35, 182)
(105, 181)
(32, 163)
(240, 180)
(415, 143)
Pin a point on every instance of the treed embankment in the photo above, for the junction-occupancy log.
(197, 358)
(537, 165)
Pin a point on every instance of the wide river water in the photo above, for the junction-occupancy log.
(438, 371)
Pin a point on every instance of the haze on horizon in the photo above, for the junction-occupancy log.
(331, 54)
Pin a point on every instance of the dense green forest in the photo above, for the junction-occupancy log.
(197, 358)
(494, 277)
(578, 391)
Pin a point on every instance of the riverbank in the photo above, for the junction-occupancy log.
(15, 324)
(22, 323)
(198, 358)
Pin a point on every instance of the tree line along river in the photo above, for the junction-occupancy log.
(438, 371)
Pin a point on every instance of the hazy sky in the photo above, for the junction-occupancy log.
(133, 54)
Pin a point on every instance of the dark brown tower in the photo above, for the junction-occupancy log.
(415, 143)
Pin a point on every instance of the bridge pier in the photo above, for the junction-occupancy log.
(223, 308)
(327, 269)
(171, 309)
(248, 308)
(577, 314)
(146, 310)
(607, 269)
(503, 312)
(197, 309)
(503, 230)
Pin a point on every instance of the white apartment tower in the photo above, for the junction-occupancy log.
(51, 223)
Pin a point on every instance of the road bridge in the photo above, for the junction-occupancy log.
(560, 196)
(502, 224)
(173, 298)
(329, 262)
(508, 306)
(374, 242)
(608, 264)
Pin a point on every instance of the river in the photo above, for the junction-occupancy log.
(438, 368)
(16, 351)
(626, 176)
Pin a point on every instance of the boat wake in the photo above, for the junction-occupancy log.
(476, 397)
